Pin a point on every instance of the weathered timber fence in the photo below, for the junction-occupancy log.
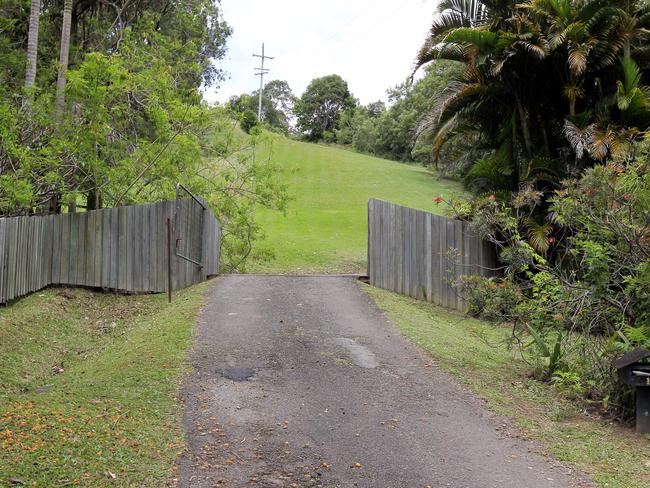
(422, 255)
(123, 249)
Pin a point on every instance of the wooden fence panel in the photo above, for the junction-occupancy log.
(423, 255)
(123, 249)
(3, 260)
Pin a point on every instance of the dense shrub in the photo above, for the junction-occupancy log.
(577, 284)
(248, 121)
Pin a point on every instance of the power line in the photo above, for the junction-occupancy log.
(347, 24)
(374, 26)
(261, 71)
(335, 34)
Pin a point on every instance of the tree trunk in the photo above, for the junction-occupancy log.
(54, 206)
(525, 129)
(32, 43)
(63, 58)
(93, 200)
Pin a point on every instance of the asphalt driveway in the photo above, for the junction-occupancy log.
(303, 382)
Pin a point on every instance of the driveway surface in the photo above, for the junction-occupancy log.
(303, 382)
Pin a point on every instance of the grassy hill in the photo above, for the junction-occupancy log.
(324, 228)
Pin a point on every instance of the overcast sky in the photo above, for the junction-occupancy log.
(370, 43)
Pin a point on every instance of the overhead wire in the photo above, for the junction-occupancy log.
(336, 33)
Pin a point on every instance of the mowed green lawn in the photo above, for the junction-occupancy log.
(324, 229)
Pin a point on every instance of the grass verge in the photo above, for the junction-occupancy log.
(89, 387)
(474, 352)
(324, 229)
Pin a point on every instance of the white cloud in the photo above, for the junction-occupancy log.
(370, 43)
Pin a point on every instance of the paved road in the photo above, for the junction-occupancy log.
(303, 382)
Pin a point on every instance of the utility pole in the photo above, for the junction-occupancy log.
(261, 72)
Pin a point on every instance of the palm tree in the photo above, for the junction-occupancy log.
(63, 58)
(452, 14)
(32, 43)
(523, 63)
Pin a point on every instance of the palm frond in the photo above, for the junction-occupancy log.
(482, 39)
(577, 60)
(631, 74)
(452, 14)
(560, 8)
(538, 235)
(579, 139)
(539, 49)
(489, 174)
(573, 92)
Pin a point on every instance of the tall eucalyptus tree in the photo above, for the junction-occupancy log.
(63, 58)
(32, 43)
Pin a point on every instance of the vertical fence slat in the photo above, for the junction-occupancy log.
(160, 247)
(428, 242)
(105, 274)
(459, 259)
(3, 225)
(98, 252)
(372, 229)
(150, 273)
(136, 263)
(115, 247)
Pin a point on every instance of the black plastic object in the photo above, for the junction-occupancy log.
(634, 372)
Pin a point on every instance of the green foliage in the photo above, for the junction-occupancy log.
(587, 295)
(319, 109)
(133, 104)
(491, 299)
(550, 352)
(542, 80)
(277, 105)
(397, 132)
(134, 124)
(248, 120)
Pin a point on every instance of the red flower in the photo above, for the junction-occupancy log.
(492, 198)
(437, 200)
(627, 197)
(552, 240)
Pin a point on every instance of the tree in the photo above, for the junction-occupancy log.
(540, 80)
(394, 132)
(319, 109)
(32, 43)
(277, 104)
(375, 109)
(137, 124)
(63, 58)
(282, 101)
(248, 120)
(134, 79)
(281, 97)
